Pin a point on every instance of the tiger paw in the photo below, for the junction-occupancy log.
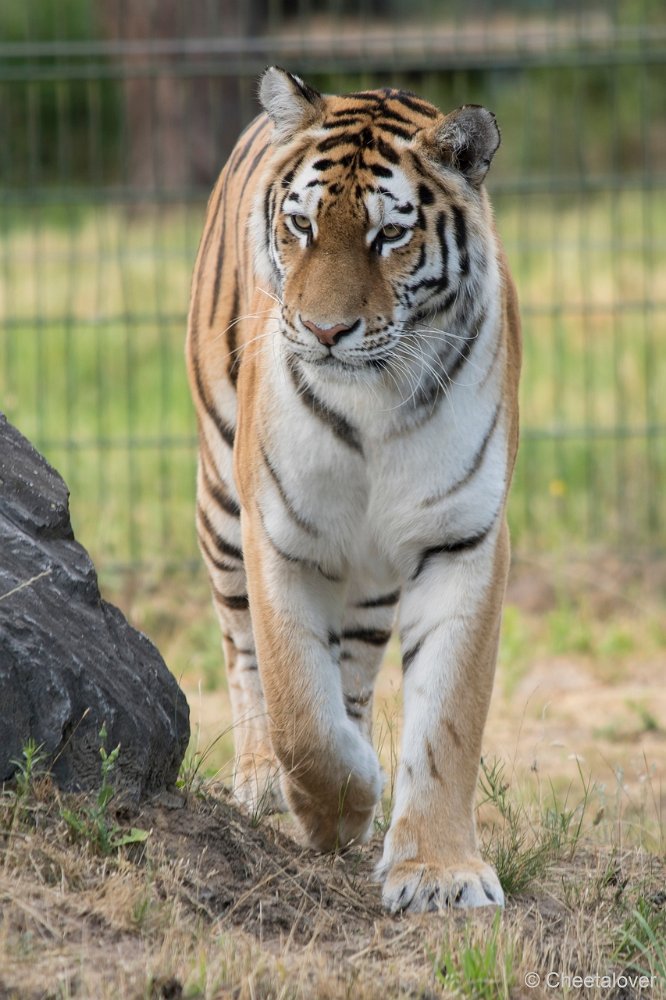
(417, 887)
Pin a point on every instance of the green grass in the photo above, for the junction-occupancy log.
(92, 326)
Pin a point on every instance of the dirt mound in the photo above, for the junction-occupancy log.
(252, 875)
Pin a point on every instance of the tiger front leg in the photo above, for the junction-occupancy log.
(449, 618)
(330, 776)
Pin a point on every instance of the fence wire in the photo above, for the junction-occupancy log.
(116, 116)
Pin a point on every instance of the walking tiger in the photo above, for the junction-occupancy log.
(353, 353)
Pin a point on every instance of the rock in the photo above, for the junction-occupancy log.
(69, 661)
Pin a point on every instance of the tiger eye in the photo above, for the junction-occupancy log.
(302, 223)
(392, 232)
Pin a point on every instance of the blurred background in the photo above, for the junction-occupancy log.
(117, 115)
(115, 118)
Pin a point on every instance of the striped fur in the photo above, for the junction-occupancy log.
(353, 354)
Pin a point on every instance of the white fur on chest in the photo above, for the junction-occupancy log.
(376, 499)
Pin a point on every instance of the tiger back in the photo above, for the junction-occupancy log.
(353, 354)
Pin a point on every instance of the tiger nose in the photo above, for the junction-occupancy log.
(329, 335)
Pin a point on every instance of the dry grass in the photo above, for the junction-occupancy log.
(215, 904)
(214, 907)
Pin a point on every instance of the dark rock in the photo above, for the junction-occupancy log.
(68, 660)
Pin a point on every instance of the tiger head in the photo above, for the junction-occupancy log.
(372, 218)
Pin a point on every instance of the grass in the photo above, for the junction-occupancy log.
(218, 903)
(92, 323)
(214, 905)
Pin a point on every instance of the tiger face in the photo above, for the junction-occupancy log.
(374, 221)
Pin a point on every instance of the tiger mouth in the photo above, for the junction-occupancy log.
(333, 362)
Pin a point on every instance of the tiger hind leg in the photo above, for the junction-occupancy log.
(256, 781)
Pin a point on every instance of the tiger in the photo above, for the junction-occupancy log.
(353, 353)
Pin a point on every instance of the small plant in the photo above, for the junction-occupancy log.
(27, 769)
(480, 971)
(520, 850)
(191, 778)
(643, 938)
(385, 805)
(518, 857)
(93, 823)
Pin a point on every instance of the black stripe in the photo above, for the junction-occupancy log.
(218, 266)
(409, 655)
(376, 97)
(217, 563)
(221, 544)
(358, 699)
(420, 264)
(440, 228)
(389, 114)
(232, 334)
(401, 133)
(288, 505)
(253, 166)
(425, 195)
(379, 171)
(262, 121)
(341, 122)
(466, 544)
(438, 182)
(474, 467)
(388, 152)
(353, 713)
(233, 168)
(217, 491)
(236, 602)
(225, 431)
(466, 349)
(333, 420)
(460, 229)
(384, 601)
(214, 482)
(343, 139)
(416, 105)
(440, 283)
(289, 557)
(373, 636)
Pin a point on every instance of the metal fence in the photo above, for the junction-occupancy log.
(115, 117)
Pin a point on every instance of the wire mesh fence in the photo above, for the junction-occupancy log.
(116, 116)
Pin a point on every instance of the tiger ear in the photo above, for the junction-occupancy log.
(289, 102)
(467, 140)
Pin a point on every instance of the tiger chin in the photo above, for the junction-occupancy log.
(353, 353)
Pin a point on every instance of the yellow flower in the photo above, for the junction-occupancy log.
(557, 487)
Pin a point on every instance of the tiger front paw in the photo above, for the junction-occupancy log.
(420, 887)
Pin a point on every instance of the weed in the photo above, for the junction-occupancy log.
(28, 768)
(517, 856)
(191, 776)
(383, 822)
(648, 722)
(643, 939)
(93, 823)
(521, 850)
(479, 970)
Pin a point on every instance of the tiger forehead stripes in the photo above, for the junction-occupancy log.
(353, 354)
